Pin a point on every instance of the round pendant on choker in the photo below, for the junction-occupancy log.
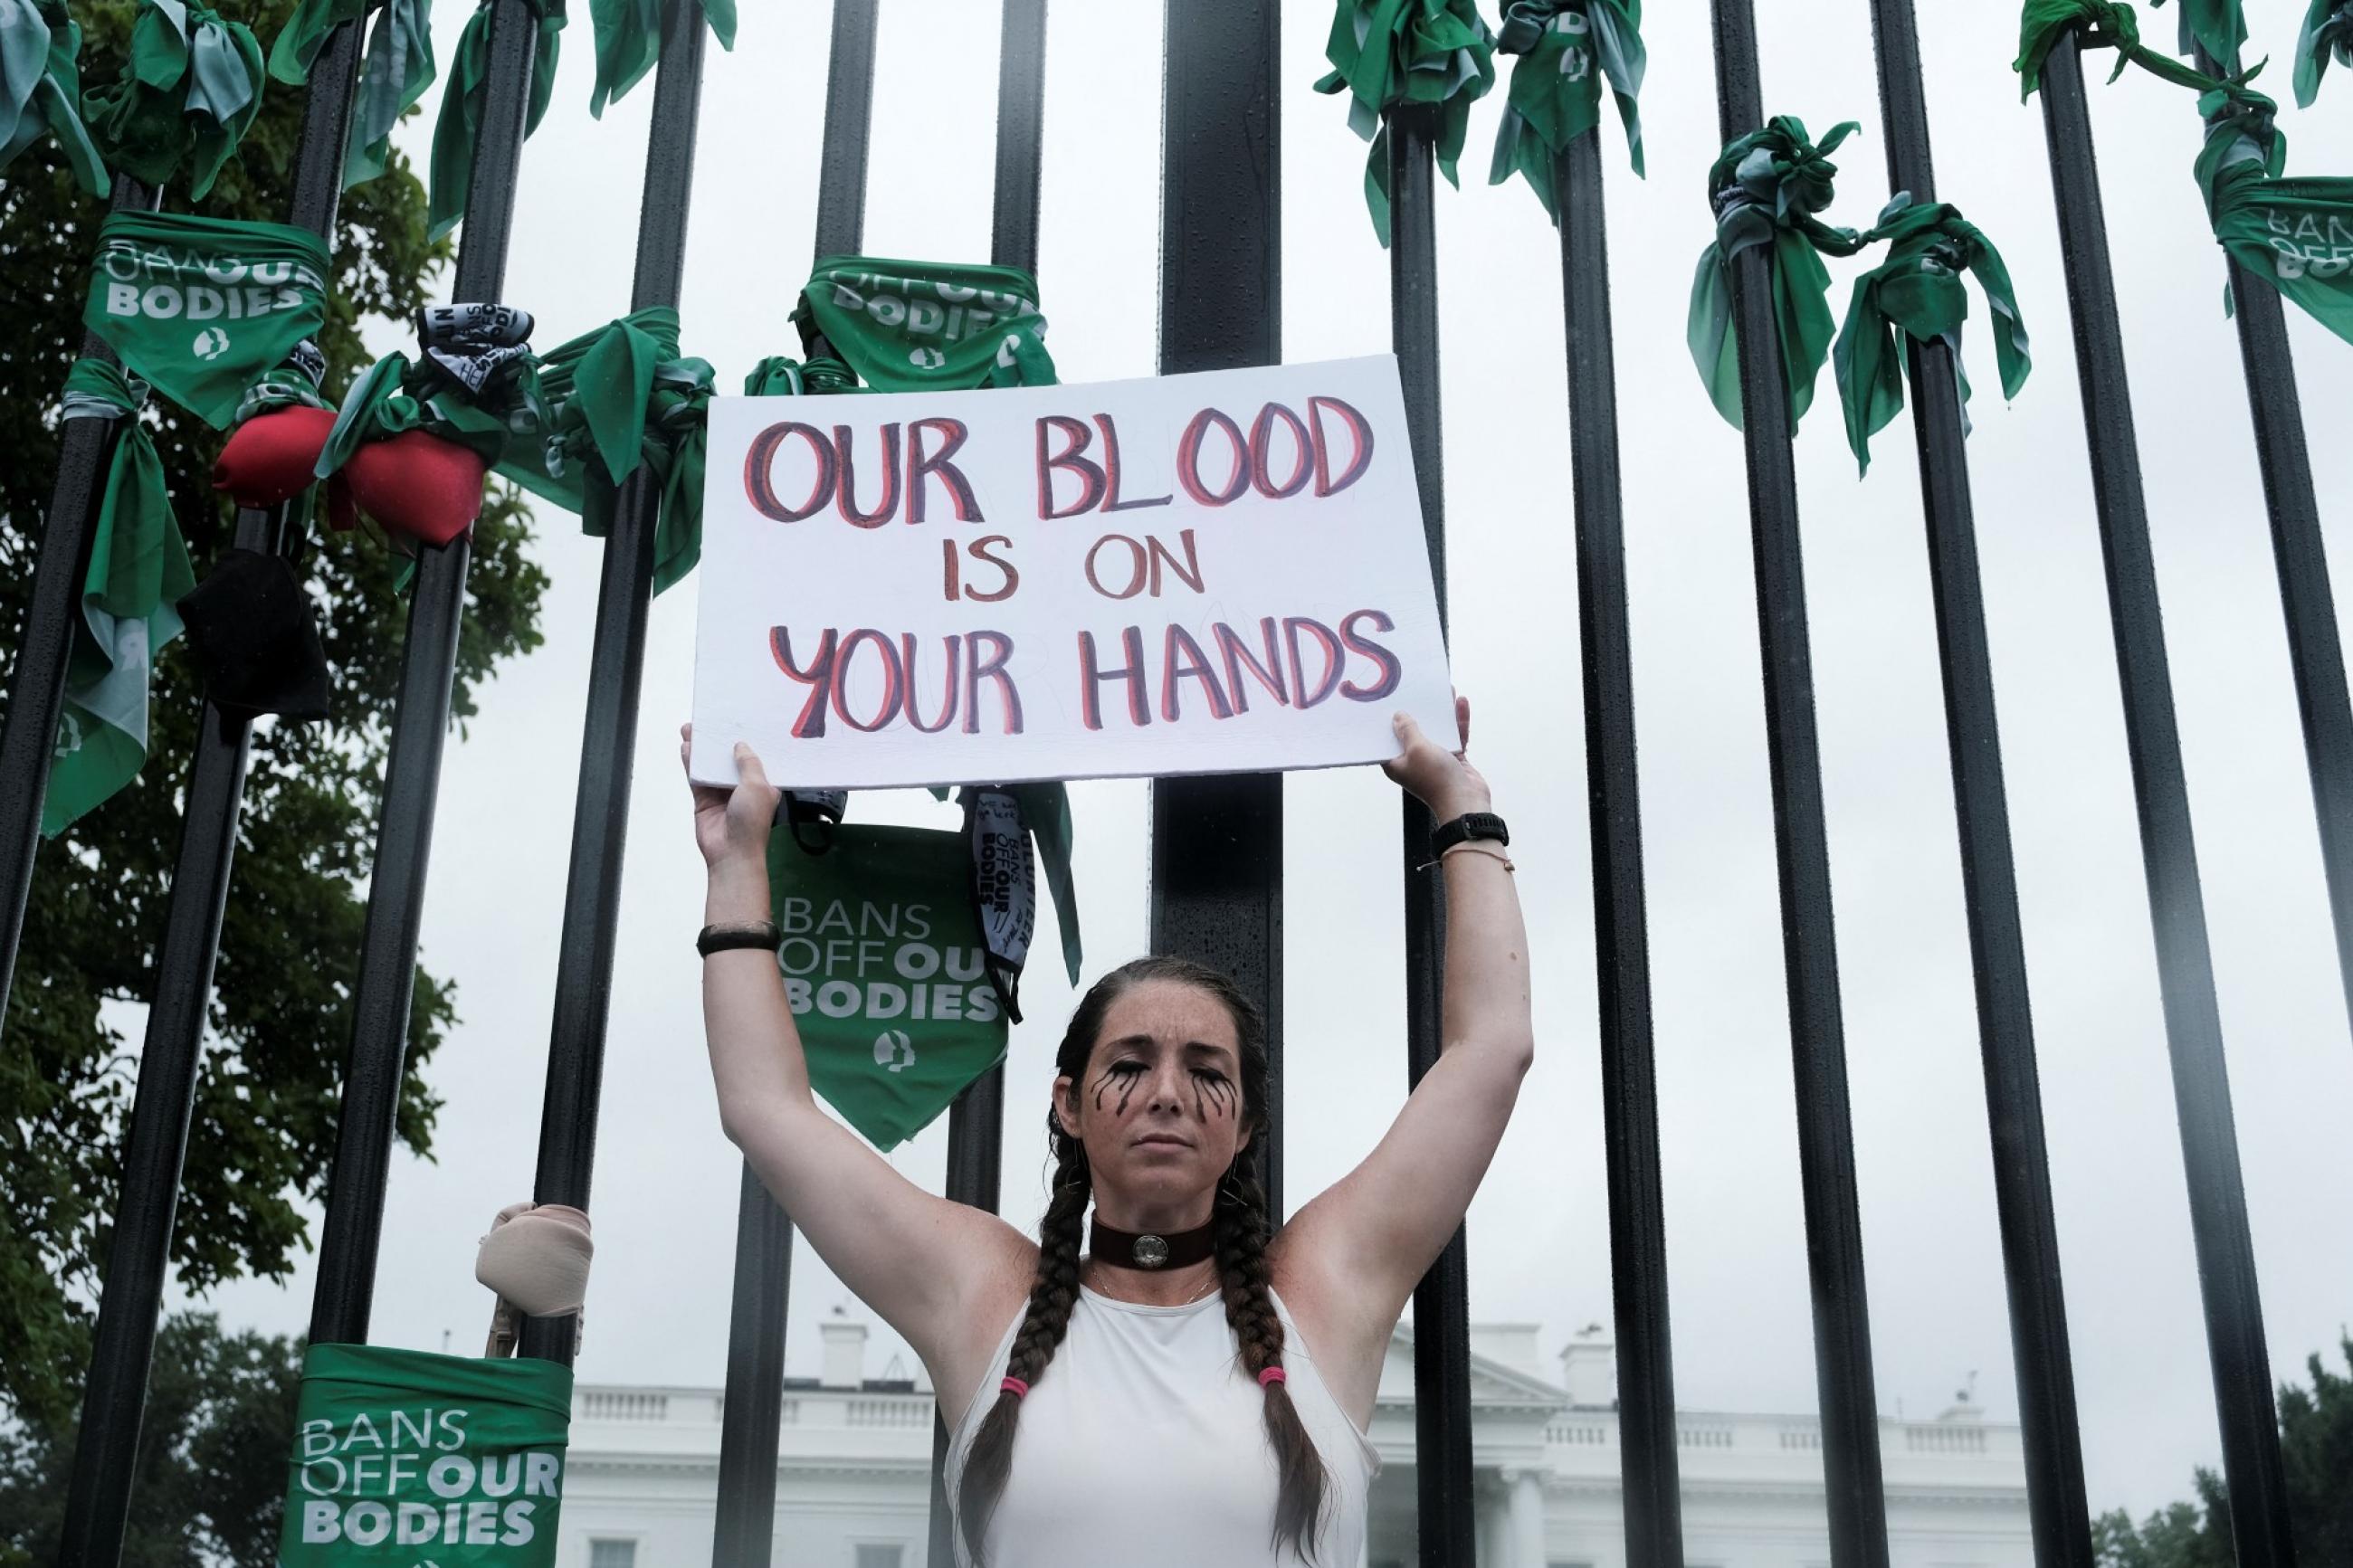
(1150, 1252)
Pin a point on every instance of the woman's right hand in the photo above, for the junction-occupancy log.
(731, 825)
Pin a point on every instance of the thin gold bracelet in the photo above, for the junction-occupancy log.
(1480, 844)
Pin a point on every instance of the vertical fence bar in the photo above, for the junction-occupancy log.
(1216, 842)
(616, 661)
(749, 1436)
(1630, 1099)
(155, 1140)
(1850, 1469)
(2058, 1513)
(976, 1119)
(1447, 1522)
(387, 968)
(37, 687)
(2185, 969)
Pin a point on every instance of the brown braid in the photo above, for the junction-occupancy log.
(1242, 1240)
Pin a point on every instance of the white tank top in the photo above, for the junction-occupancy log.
(1144, 1444)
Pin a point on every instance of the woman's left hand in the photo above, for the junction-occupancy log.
(1441, 780)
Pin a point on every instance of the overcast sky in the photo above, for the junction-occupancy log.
(665, 1182)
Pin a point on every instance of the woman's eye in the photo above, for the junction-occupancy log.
(1206, 1073)
(1118, 1067)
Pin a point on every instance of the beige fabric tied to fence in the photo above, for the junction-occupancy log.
(536, 1260)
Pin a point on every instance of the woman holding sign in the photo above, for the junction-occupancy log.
(1186, 1388)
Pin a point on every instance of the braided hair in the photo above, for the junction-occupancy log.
(1243, 1231)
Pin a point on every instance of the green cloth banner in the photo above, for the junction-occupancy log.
(1766, 187)
(202, 307)
(886, 972)
(2296, 234)
(460, 128)
(189, 90)
(2327, 30)
(1392, 55)
(628, 41)
(2215, 25)
(1564, 49)
(1917, 290)
(399, 1450)
(923, 326)
(40, 87)
(138, 572)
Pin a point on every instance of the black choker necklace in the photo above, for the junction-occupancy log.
(1149, 1249)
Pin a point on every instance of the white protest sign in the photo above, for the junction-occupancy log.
(1217, 573)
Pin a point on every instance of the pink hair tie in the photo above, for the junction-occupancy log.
(1015, 1386)
(1272, 1375)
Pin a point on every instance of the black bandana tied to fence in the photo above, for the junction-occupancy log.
(1001, 822)
(1564, 49)
(138, 572)
(923, 326)
(2296, 234)
(1392, 55)
(1767, 188)
(2327, 30)
(628, 41)
(1917, 290)
(203, 306)
(40, 87)
(2215, 25)
(188, 91)
(460, 128)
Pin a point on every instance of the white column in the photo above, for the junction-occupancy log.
(1527, 1521)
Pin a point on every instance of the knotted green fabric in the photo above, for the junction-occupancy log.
(2105, 23)
(1767, 188)
(923, 326)
(502, 424)
(201, 307)
(1917, 290)
(138, 572)
(2296, 234)
(2216, 26)
(628, 41)
(1565, 48)
(460, 128)
(188, 91)
(40, 87)
(1389, 54)
(2327, 30)
(394, 73)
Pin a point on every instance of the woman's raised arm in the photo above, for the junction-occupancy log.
(929, 1267)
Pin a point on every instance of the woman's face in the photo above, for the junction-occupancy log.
(1159, 1105)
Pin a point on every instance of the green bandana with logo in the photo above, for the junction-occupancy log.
(188, 91)
(925, 326)
(1564, 49)
(403, 1457)
(202, 307)
(138, 572)
(1389, 55)
(628, 41)
(460, 128)
(40, 87)
(1917, 290)
(2327, 30)
(2296, 234)
(1767, 188)
(886, 972)
(2215, 25)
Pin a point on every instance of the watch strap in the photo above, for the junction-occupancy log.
(744, 933)
(1469, 826)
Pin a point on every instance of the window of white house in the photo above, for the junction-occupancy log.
(612, 1554)
(882, 1557)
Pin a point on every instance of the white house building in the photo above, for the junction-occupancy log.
(853, 1472)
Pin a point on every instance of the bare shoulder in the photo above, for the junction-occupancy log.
(1346, 1330)
(998, 1287)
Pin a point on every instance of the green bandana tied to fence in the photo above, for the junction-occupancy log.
(1564, 49)
(400, 1450)
(2296, 234)
(188, 91)
(138, 572)
(394, 73)
(460, 128)
(2215, 25)
(1917, 290)
(40, 87)
(201, 307)
(478, 387)
(924, 326)
(2327, 30)
(886, 972)
(628, 41)
(1412, 54)
(1767, 188)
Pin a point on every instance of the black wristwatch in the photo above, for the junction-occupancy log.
(726, 938)
(1469, 826)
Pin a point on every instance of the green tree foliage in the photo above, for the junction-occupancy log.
(265, 1113)
(2317, 1450)
(209, 1487)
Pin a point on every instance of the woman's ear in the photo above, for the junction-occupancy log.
(1066, 1105)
